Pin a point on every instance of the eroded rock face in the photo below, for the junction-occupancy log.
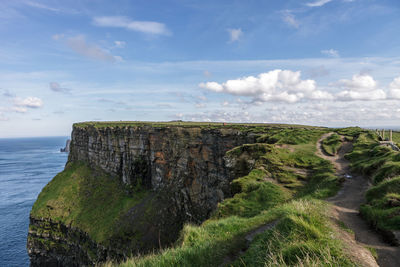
(184, 168)
(189, 160)
(54, 244)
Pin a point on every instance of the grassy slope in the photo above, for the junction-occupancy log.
(331, 144)
(281, 187)
(78, 197)
(302, 235)
(382, 164)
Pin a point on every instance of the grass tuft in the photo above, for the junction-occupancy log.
(332, 144)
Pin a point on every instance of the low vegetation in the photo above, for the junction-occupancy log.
(382, 164)
(78, 197)
(253, 127)
(302, 236)
(331, 144)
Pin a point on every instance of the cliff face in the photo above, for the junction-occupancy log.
(183, 169)
(188, 160)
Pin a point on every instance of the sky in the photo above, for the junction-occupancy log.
(331, 63)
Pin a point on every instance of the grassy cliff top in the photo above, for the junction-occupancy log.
(85, 198)
(188, 124)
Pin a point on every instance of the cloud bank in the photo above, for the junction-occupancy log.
(287, 86)
(276, 85)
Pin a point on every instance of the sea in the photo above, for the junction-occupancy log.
(26, 166)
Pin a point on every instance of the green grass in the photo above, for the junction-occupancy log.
(373, 252)
(344, 227)
(350, 131)
(382, 164)
(256, 127)
(383, 207)
(87, 199)
(302, 235)
(290, 136)
(205, 245)
(254, 195)
(332, 144)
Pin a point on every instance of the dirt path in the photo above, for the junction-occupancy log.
(346, 204)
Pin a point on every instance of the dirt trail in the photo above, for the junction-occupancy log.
(346, 204)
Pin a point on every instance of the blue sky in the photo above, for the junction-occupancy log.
(317, 62)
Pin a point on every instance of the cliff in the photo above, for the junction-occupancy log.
(129, 188)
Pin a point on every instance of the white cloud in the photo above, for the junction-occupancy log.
(360, 87)
(56, 87)
(150, 27)
(79, 45)
(119, 44)
(318, 3)
(320, 95)
(337, 114)
(41, 6)
(21, 105)
(360, 82)
(290, 19)
(28, 102)
(394, 88)
(213, 86)
(276, 85)
(330, 52)
(38, 5)
(235, 34)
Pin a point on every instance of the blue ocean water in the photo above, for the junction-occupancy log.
(26, 166)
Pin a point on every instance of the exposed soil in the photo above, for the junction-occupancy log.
(346, 204)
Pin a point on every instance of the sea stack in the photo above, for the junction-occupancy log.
(66, 148)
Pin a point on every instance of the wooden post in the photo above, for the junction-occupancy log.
(390, 135)
(383, 134)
